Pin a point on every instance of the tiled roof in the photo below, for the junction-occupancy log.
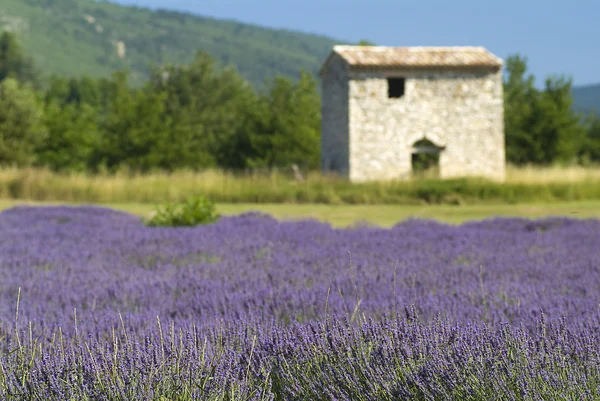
(415, 57)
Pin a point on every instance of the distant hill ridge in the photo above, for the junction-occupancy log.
(77, 37)
(587, 98)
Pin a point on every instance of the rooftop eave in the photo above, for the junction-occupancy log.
(449, 67)
(487, 59)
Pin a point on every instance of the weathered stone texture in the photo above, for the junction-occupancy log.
(459, 110)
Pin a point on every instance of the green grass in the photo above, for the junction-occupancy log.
(528, 192)
(522, 187)
(381, 215)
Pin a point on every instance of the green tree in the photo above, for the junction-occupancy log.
(590, 150)
(133, 130)
(558, 127)
(206, 105)
(243, 148)
(72, 137)
(57, 90)
(593, 139)
(21, 123)
(519, 99)
(81, 90)
(288, 131)
(540, 126)
(364, 42)
(297, 120)
(13, 62)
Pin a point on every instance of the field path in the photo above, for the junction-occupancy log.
(382, 215)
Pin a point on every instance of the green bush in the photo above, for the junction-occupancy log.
(193, 211)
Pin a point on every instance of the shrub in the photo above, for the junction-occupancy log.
(191, 212)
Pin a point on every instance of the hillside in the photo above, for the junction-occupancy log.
(76, 37)
(587, 98)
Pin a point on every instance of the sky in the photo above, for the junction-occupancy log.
(557, 37)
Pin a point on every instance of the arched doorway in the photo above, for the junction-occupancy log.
(425, 159)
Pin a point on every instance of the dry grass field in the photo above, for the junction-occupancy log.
(523, 185)
(528, 192)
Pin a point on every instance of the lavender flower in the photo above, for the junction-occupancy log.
(96, 305)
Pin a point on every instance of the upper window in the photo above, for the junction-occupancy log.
(395, 87)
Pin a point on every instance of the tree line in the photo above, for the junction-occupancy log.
(203, 115)
(541, 127)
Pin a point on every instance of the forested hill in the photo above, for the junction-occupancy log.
(88, 37)
(85, 37)
(587, 98)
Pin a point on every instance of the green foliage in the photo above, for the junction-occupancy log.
(206, 106)
(590, 150)
(288, 129)
(519, 94)
(21, 124)
(82, 90)
(541, 126)
(205, 115)
(72, 139)
(558, 129)
(133, 128)
(13, 63)
(194, 211)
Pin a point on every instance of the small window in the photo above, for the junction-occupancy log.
(395, 87)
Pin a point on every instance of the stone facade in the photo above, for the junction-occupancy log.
(367, 135)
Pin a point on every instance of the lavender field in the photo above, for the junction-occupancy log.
(97, 306)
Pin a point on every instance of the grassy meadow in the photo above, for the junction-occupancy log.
(528, 192)
(523, 185)
(380, 215)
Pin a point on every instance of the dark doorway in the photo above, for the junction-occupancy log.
(425, 159)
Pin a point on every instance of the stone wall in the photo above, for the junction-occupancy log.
(335, 126)
(461, 110)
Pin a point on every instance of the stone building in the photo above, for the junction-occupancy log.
(381, 104)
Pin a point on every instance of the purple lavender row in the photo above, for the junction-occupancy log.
(388, 359)
(84, 274)
(103, 262)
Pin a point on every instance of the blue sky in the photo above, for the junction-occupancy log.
(557, 37)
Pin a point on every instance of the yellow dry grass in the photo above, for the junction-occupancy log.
(271, 187)
(552, 174)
